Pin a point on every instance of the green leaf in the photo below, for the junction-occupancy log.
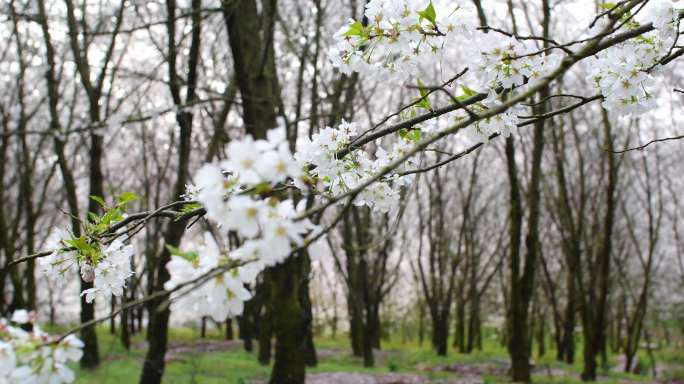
(93, 217)
(429, 14)
(127, 197)
(423, 90)
(191, 256)
(410, 135)
(187, 208)
(262, 188)
(423, 102)
(468, 92)
(355, 29)
(98, 200)
(607, 6)
(414, 135)
(84, 248)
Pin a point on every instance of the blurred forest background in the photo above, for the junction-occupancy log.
(138, 94)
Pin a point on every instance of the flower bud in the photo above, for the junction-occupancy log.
(87, 273)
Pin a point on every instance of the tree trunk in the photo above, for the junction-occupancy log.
(265, 319)
(473, 324)
(355, 328)
(460, 339)
(230, 334)
(368, 336)
(596, 311)
(91, 355)
(289, 324)
(203, 327)
(541, 336)
(251, 41)
(421, 324)
(305, 300)
(245, 326)
(440, 334)
(125, 327)
(568, 341)
(158, 324)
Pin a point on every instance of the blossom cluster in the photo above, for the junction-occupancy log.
(505, 62)
(33, 356)
(397, 34)
(623, 72)
(502, 123)
(402, 36)
(334, 175)
(220, 297)
(106, 268)
(242, 194)
(110, 274)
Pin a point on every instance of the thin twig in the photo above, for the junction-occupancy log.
(642, 147)
(537, 38)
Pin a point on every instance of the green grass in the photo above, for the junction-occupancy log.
(237, 366)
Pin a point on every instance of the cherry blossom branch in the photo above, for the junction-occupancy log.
(553, 43)
(536, 118)
(607, 12)
(431, 90)
(592, 47)
(33, 257)
(607, 32)
(410, 123)
(135, 218)
(642, 147)
(198, 281)
(454, 157)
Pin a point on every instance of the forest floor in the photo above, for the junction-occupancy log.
(192, 359)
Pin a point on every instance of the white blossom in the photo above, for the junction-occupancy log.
(220, 297)
(111, 272)
(34, 357)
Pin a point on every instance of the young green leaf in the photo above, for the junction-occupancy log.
(99, 201)
(355, 29)
(429, 14)
(191, 256)
(127, 197)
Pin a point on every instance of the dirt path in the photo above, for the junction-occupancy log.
(177, 350)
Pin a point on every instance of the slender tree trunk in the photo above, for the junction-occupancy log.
(367, 339)
(158, 325)
(421, 324)
(265, 320)
(305, 299)
(596, 311)
(230, 335)
(568, 342)
(355, 329)
(473, 324)
(125, 326)
(460, 339)
(289, 324)
(245, 326)
(203, 327)
(541, 335)
(440, 334)
(251, 41)
(522, 285)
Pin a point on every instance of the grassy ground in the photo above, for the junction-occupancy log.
(189, 364)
